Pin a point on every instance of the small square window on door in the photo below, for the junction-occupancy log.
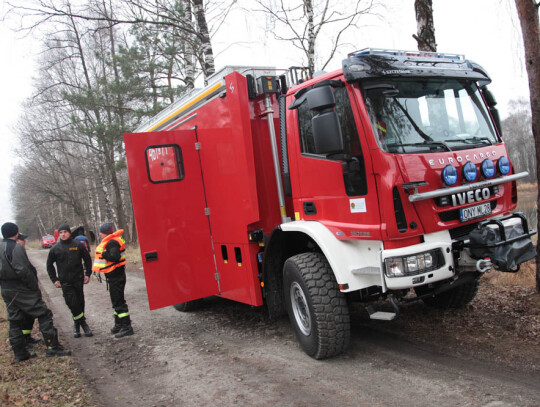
(164, 163)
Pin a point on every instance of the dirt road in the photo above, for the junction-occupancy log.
(227, 354)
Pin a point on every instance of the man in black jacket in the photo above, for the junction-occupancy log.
(69, 254)
(22, 296)
(28, 322)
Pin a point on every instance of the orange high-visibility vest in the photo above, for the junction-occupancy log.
(102, 265)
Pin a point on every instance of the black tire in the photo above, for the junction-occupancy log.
(188, 306)
(457, 297)
(317, 309)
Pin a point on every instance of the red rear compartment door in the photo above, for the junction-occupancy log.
(169, 206)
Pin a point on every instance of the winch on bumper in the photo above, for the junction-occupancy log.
(503, 242)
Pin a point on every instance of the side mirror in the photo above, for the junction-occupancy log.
(327, 133)
(325, 125)
(491, 102)
(321, 98)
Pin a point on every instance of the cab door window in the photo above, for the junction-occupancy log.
(354, 173)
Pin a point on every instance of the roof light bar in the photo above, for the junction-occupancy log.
(402, 53)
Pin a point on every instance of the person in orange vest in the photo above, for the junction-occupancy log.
(111, 260)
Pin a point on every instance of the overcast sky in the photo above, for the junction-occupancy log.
(486, 31)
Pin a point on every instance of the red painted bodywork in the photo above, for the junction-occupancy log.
(233, 176)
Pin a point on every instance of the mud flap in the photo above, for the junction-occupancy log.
(507, 245)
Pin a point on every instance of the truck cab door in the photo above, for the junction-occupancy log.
(169, 205)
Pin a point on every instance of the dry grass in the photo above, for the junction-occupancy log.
(133, 254)
(525, 277)
(527, 187)
(40, 381)
(33, 244)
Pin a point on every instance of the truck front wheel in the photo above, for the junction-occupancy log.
(317, 309)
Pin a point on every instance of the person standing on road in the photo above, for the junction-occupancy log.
(69, 254)
(111, 260)
(28, 322)
(21, 293)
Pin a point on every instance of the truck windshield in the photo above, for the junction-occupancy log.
(413, 116)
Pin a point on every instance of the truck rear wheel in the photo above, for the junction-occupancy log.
(455, 298)
(188, 306)
(317, 308)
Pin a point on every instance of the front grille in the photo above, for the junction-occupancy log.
(454, 213)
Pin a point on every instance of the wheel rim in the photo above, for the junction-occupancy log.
(300, 308)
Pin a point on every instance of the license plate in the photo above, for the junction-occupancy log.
(473, 212)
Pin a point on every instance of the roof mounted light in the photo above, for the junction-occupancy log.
(403, 53)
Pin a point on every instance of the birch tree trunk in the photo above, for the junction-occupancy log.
(528, 18)
(425, 36)
(189, 47)
(308, 7)
(204, 36)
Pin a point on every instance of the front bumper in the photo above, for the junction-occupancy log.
(439, 240)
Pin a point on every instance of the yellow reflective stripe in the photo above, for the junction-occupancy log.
(125, 314)
(26, 331)
(79, 316)
(115, 313)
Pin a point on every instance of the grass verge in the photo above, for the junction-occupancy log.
(40, 381)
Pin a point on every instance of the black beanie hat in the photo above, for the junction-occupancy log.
(65, 226)
(9, 230)
(106, 228)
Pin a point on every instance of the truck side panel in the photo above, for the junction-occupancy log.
(228, 166)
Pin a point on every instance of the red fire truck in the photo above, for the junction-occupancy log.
(384, 178)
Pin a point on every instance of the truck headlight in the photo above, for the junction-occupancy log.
(414, 264)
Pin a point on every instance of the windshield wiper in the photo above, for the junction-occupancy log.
(411, 120)
(423, 144)
(471, 140)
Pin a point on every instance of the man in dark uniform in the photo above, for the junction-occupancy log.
(110, 259)
(69, 254)
(22, 296)
(28, 322)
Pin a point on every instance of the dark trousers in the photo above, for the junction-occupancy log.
(22, 304)
(27, 325)
(117, 283)
(74, 297)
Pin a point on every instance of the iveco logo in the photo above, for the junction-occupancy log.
(463, 158)
(470, 196)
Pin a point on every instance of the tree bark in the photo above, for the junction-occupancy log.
(530, 30)
(204, 36)
(425, 36)
(189, 47)
(308, 9)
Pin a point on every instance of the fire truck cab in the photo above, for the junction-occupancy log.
(384, 178)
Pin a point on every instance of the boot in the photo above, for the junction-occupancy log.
(87, 331)
(25, 356)
(76, 329)
(53, 346)
(117, 326)
(125, 329)
(30, 340)
(58, 350)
